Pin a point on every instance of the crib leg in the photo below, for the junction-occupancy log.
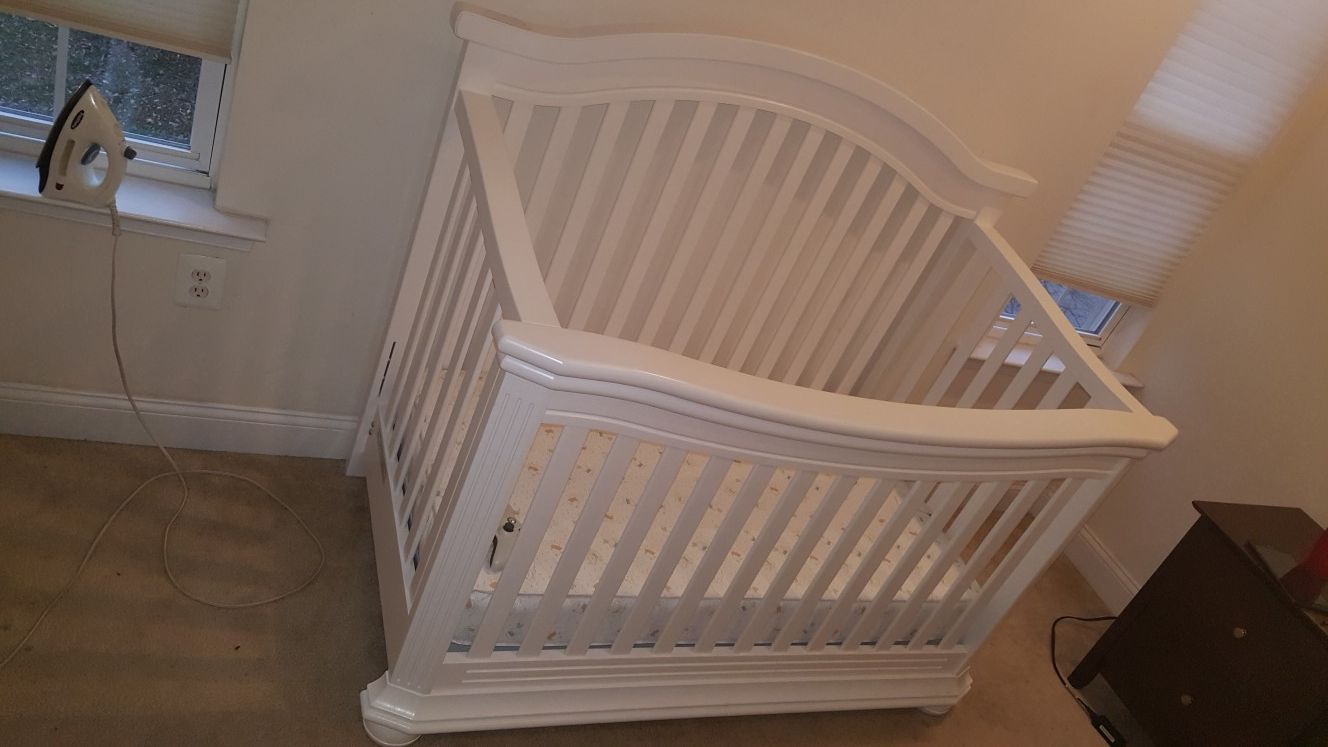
(387, 736)
(937, 710)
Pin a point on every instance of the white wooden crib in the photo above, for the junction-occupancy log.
(727, 331)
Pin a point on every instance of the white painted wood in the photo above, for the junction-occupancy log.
(647, 505)
(667, 561)
(740, 207)
(49, 412)
(533, 526)
(688, 244)
(810, 537)
(510, 254)
(626, 203)
(789, 498)
(628, 296)
(691, 334)
(578, 544)
(756, 482)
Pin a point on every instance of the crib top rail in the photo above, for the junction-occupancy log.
(506, 56)
(576, 361)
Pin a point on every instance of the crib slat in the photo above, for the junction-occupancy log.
(834, 561)
(578, 543)
(979, 326)
(753, 256)
(808, 279)
(440, 449)
(551, 168)
(625, 205)
(459, 320)
(1014, 391)
(479, 346)
(734, 520)
(445, 335)
(1013, 332)
(688, 245)
(895, 302)
(922, 331)
(669, 555)
(832, 301)
(426, 544)
(966, 524)
(1011, 561)
(686, 337)
(462, 232)
(774, 289)
(942, 507)
(533, 526)
(808, 539)
(871, 562)
(439, 273)
(995, 538)
(1059, 390)
(629, 544)
(629, 300)
(869, 293)
(774, 527)
(514, 131)
(610, 129)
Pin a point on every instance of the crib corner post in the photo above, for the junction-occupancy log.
(466, 528)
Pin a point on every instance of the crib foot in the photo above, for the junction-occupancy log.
(936, 710)
(387, 736)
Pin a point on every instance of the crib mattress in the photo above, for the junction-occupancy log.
(592, 455)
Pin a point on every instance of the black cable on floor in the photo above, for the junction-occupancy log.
(1101, 724)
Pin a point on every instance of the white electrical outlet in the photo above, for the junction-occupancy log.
(199, 281)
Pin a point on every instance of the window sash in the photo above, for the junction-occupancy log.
(157, 160)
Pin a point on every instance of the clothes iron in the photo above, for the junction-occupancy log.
(85, 128)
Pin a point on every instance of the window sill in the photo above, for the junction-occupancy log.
(1019, 355)
(147, 206)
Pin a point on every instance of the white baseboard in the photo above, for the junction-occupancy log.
(30, 410)
(1103, 571)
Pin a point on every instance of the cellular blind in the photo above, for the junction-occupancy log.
(204, 28)
(1223, 91)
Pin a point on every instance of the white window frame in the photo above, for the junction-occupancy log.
(193, 166)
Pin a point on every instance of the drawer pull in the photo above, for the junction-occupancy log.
(1239, 632)
(1186, 699)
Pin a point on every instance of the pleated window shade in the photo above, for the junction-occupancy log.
(1224, 90)
(203, 28)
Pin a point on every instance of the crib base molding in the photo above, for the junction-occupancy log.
(484, 699)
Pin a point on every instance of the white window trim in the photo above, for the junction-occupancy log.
(194, 167)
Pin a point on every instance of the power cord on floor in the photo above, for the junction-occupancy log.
(1101, 724)
(175, 472)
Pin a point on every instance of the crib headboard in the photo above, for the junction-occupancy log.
(550, 67)
(734, 201)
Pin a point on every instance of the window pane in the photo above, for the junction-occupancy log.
(1088, 312)
(151, 91)
(27, 66)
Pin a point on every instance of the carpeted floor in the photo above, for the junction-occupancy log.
(125, 660)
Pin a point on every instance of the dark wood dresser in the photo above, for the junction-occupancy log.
(1212, 651)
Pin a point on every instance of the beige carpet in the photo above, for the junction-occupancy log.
(125, 660)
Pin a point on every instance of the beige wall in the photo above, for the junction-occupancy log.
(1235, 356)
(337, 108)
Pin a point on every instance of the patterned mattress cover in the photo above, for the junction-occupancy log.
(592, 455)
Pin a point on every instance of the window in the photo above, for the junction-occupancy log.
(167, 102)
(1092, 315)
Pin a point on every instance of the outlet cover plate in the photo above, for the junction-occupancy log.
(189, 291)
